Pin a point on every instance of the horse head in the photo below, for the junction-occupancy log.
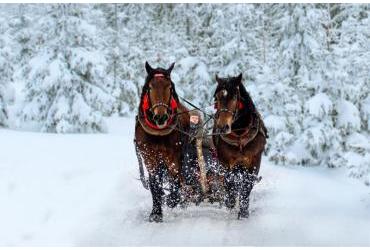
(159, 95)
(227, 102)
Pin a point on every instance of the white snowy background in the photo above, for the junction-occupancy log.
(70, 79)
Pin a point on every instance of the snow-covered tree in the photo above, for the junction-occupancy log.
(305, 65)
(66, 89)
(6, 72)
(353, 53)
(298, 44)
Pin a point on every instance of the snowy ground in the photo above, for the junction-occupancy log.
(68, 190)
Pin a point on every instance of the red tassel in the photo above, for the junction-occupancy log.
(241, 105)
(173, 104)
(145, 104)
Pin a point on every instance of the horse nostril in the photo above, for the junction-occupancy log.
(156, 117)
(164, 117)
(225, 129)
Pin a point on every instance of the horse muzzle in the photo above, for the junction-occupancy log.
(226, 129)
(223, 123)
(161, 119)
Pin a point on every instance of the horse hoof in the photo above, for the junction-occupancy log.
(243, 215)
(198, 200)
(172, 201)
(230, 203)
(155, 218)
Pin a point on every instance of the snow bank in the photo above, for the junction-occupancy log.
(81, 190)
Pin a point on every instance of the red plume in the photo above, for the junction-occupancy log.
(241, 105)
(173, 104)
(145, 104)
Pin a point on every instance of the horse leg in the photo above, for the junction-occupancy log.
(247, 183)
(173, 170)
(174, 197)
(245, 190)
(155, 184)
(231, 189)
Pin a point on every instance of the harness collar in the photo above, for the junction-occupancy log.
(247, 136)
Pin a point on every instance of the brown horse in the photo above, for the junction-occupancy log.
(157, 139)
(239, 138)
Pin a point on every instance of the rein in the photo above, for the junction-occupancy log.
(210, 116)
(175, 114)
(196, 108)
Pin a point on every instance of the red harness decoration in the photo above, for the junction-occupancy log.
(173, 104)
(240, 105)
(145, 107)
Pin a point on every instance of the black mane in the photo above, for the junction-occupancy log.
(246, 98)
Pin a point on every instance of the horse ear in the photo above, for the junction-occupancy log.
(239, 78)
(218, 80)
(170, 68)
(148, 68)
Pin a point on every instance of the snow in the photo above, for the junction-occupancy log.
(366, 111)
(74, 68)
(275, 123)
(64, 68)
(348, 116)
(319, 105)
(82, 190)
(358, 141)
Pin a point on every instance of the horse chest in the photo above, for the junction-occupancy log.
(158, 148)
(232, 157)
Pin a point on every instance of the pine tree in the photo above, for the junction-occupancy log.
(300, 43)
(6, 72)
(353, 102)
(66, 90)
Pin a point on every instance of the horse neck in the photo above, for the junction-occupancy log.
(243, 121)
(245, 117)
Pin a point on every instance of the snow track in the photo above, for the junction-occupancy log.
(68, 190)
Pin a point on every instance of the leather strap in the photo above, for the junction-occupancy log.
(247, 136)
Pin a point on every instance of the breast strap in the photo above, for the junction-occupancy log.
(250, 132)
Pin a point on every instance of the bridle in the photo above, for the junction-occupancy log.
(160, 104)
(171, 102)
(235, 112)
(147, 106)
